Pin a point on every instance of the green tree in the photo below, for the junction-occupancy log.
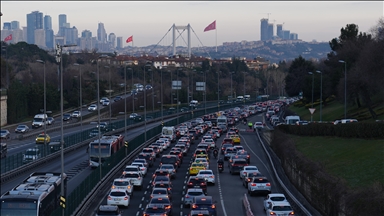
(17, 102)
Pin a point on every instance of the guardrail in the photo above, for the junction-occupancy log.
(247, 206)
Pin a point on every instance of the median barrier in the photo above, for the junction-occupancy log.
(247, 206)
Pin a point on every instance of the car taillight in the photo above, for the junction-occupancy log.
(194, 206)
(253, 184)
(186, 196)
(248, 179)
(268, 184)
(203, 183)
(167, 207)
(213, 206)
(272, 213)
(292, 213)
(126, 198)
(190, 183)
(113, 187)
(109, 197)
(142, 168)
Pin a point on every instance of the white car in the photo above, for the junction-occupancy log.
(92, 107)
(142, 167)
(103, 99)
(123, 184)
(203, 161)
(76, 114)
(106, 102)
(167, 141)
(280, 208)
(274, 197)
(163, 144)
(135, 177)
(169, 168)
(143, 161)
(118, 197)
(258, 125)
(208, 175)
(132, 115)
(248, 169)
(131, 168)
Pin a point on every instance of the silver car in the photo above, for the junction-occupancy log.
(208, 175)
(280, 208)
(259, 185)
(191, 193)
(50, 120)
(169, 168)
(22, 129)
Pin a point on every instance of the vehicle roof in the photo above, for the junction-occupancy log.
(108, 208)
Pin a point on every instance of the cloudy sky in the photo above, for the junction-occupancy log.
(150, 21)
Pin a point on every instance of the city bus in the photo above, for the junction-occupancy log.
(109, 145)
(39, 195)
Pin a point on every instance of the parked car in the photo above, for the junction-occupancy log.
(5, 134)
(92, 107)
(50, 120)
(22, 129)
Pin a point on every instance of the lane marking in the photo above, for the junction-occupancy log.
(137, 213)
(221, 194)
(139, 207)
(142, 199)
(145, 192)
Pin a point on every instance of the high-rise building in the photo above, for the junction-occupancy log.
(34, 21)
(25, 33)
(101, 33)
(40, 37)
(15, 25)
(119, 44)
(270, 31)
(112, 40)
(264, 29)
(86, 34)
(279, 29)
(7, 26)
(71, 35)
(286, 34)
(293, 36)
(62, 20)
(49, 39)
(47, 22)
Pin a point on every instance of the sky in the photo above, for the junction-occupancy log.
(150, 21)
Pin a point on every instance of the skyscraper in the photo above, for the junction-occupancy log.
(62, 20)
(34, 21)
(86, 34)
(101, 33)
(71, 35)
(119, 44)
(40, 37)
(112, 40)
(7, 26)
(264, 29)
(15, 25)
(49, 39)
(279, 29)
(47, 22)
(270, 31)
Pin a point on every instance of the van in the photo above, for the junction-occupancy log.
(291, 120)
(193, 103)
(247, 97)
(31, 154)
(39, 120)
(240, 98)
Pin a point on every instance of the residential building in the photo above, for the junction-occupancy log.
(34, 21)
(286, 34)
(270, 31)
(279, 29)
(15, 25)
(47, 22)
(7, 26)
(293, 36)
(86, 34)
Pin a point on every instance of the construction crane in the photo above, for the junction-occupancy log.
(267, 14)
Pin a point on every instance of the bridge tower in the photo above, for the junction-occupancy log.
(188, 28)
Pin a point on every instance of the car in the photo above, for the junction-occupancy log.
(5, 134)
(31, 154)
(248, 169)
(280, 208)
(204, 203)
(259, 185)
(148, 157)
(135, 177)
(138, 118)
(123, 184)
(92, 107)
(143, 161)
(274, 197)
(67, 116)
(208, 175)
(236, 139)
(170, 159)
(117, 98)
(237, 165)
(302, 122)
(203, 161)
(225, 146)
(50, 120)
(76, 114)
(190, 194)
(148, 87)
(103, 99)
(245, 153)
(161, 192)
(41, 138)
(199, 213)
(169, 168)
(103, 125)
(230, 160)
(108, 210)
(197, 182)
(258, 125)
(166, 183)
(133, 115)
(142, 167)
(118, 197)
(155, 210)
(196, 167)
(94, 132)
(249, 176)
(163, 201)
(131, 168)
(22, 129)
(106, 102)
(228, 152)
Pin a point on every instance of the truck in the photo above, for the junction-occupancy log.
(169, 132)
(291, 120)
(39, 120)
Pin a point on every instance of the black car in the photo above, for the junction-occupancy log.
(138, 118)
(117, 98)
(197, 182)
(67, 117)
(204, 203)
(170, 159)
(148, 157)
(163, 201)
(155, 209)
(237, 165)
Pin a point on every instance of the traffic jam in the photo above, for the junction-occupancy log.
(196, 152)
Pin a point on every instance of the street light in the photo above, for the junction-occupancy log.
(125, 104)
(81, 99)
(345, 87)
(312, 89)
(321, 93)
(153, 98)
(132, 93)
(231, 87)
(205, 92)
(5, 48)
(218, 91)
(244, 88)
(110, 89)
(45, 104)
(161, 89)
(145, 106)
(177, 94)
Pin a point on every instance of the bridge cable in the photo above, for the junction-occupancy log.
(201, 43)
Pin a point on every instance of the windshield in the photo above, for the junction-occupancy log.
(104, 148)
(167, 132)
(195, 193)
(37, 119)
(121, 183)
(282, 208)
(31, 153)
(12, 208)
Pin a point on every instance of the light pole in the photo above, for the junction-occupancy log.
(110, 89)
(45, 105)
(81, 99)
(125, 104)
(153, 96)
(177, 94)
(6, 64)
(132, 93)
(244, 88)
(312, 90)
(59, 59)
(345, 87)
(218, 91)
(205, 93)
(161, 89)
(231, 87)
(321, 93)
(145, 106)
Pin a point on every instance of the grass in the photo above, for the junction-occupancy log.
(360, 162)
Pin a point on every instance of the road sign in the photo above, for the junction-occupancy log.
(312, 110)
(62, 201)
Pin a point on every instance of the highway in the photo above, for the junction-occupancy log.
(228, 191)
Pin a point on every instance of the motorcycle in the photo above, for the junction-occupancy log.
(215, 153)
(220, 167)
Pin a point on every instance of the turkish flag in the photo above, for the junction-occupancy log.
(130, 39)
(8, 38)
(211, 26)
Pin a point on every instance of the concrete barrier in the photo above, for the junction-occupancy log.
(247, 206)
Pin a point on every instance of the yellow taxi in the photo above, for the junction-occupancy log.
(235, 138)
(195, 168)
(41, 137)
(202, 156)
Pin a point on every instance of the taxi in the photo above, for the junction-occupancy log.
(203, 161)
(195, 168)
(235, 138)
(41, 137)
(205, 156)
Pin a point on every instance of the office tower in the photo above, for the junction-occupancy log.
(15, 25)
(62, 20)
(86, 34)
(101, 33)
(34, 21)
(112, 39)
(49, 38)
(286, 34)
(279, 29)
(71, 35)
(47, 22)
(293, 36)
(119, 44)
(5, 33)
(25, 33)
(7, 26)
(40, 37)
(270, 31)
(264, 29)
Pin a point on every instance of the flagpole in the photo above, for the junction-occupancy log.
(216, 38)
